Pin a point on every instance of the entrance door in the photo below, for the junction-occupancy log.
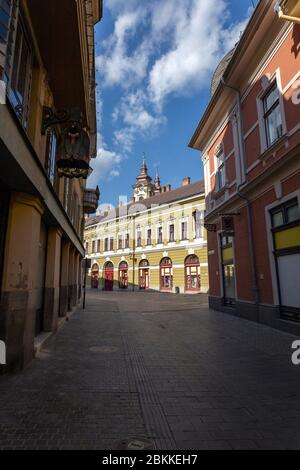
(192, 274)
(229, 283)
(95, 276)
(123, 275)
(166, 275)
(144, 275)
(289, 280)
(109, 276)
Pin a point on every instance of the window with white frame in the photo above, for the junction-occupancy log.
(120, 241)
(127, 240)
(184, 230)
(21, 75)
(106, 244)
(220, 168)
(159, 235)
(199, 223)
(272, 115)
(171, 233)
(149, 236)
(139, 238)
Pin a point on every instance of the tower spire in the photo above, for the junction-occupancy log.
(157, 186)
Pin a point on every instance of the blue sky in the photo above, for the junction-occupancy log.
(154, 61)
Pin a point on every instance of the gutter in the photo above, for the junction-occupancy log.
(282, 16)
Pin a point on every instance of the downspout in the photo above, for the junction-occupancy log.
(244, 181)
(282, 16)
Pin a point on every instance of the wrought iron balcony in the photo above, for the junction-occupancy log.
(91, 200)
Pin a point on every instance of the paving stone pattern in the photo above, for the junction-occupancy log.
(158, 367)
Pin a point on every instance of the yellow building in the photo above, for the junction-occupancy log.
(47, 136)
(156, 242)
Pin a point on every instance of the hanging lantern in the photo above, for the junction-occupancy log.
(74, 153)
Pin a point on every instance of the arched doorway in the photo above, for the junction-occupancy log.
(108, 274)
(166, 275)
(123, 275)
(192, 274)
(95, 276)
(144, 274)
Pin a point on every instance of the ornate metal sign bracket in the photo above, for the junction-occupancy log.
(52, 117)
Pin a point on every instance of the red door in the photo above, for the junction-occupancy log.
(192, 274)
(166, 275)
(109, 277)
(144, 275)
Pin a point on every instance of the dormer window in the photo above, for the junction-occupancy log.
(272, 115)
(220, 167)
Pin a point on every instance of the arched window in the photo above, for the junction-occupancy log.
(166, 275)
(123, 275)
(192, 274)
(144, 271)
(108, 275)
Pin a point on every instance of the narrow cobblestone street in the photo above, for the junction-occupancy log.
(157, 367)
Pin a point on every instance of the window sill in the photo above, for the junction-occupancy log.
(273, 148)
(220, 192)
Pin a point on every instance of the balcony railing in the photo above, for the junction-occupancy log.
(91, 200)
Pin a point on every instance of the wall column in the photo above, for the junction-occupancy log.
(64, 277)
(71, 279)
(19, 290)
(52, 287)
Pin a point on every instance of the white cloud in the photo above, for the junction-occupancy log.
(200, 39)
(136, 119)
(157, 49)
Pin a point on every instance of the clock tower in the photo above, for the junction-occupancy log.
(143, 187)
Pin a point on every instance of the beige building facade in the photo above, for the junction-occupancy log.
(47, 91)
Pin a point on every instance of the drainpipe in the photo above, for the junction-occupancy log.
(282, 16)
(244, 181)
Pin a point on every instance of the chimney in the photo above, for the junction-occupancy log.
(186, 181)
(168, 188)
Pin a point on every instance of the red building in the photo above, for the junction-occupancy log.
(249, 138)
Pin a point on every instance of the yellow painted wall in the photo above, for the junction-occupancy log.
(177, 251)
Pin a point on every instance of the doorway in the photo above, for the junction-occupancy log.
(108, 276)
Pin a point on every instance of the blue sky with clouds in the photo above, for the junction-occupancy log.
(154, 64)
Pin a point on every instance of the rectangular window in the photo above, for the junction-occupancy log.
(184, 234)
(19, 86)
(127, 240)
(93, 246)
(220, 170)
(106, 244)
(272, 115)
(159, 235)
(172, 233)
(120, 242)
(5, 10)
(199, 223)
(50, 161)
(111, 244)
(98, 246)
(285, 213)
(139, 238)
(149, 237)
(87, 247)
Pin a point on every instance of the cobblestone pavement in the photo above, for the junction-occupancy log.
(159, 367)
